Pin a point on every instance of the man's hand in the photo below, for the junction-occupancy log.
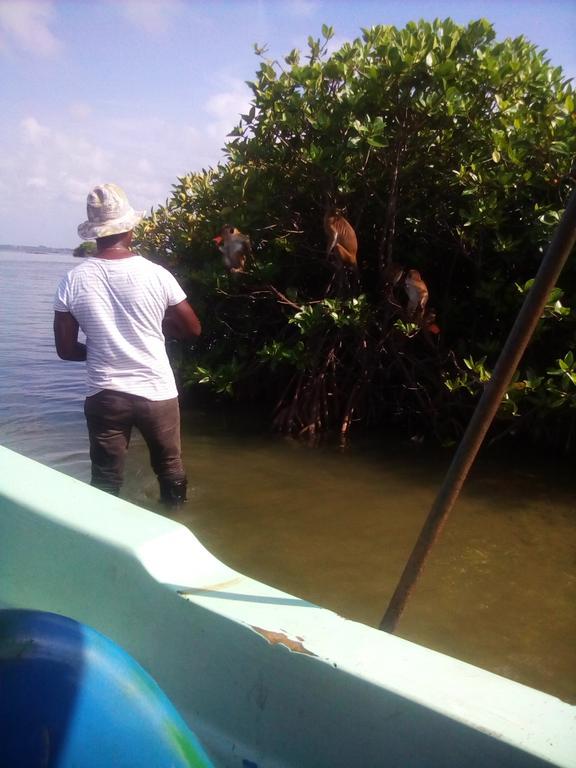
(66, 337)
(181, 322)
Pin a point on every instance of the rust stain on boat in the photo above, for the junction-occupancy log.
(281, 638)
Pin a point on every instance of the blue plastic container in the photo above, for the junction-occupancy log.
(71, 698)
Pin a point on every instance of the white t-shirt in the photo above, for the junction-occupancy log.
(120, 304)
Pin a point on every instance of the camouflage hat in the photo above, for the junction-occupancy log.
(109, 213)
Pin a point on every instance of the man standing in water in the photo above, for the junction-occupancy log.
(124, 304)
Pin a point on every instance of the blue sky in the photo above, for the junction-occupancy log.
(141, 91)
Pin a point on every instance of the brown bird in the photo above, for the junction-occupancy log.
(234, 246)
(341, 238)
(417, 293)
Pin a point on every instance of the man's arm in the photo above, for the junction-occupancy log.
(66, 337)
(181, 322)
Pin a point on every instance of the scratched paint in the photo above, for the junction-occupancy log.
(281, 638)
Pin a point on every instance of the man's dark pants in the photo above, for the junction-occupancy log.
(110, 417)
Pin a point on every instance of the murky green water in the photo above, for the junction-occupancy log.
(329, 526)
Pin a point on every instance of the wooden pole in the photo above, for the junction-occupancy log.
(556, 255)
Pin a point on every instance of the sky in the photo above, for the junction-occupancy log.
(140, 92)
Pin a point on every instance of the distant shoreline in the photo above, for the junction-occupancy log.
(34, 248)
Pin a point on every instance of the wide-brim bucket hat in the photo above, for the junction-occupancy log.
(109, 213)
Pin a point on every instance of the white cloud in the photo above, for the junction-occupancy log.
(32, 131)
(80, 110)
(25, 24)
(144, 166)
(226, 106)
(37, 182)
(304, 8)
(151, 16)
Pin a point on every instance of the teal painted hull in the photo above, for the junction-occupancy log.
(263, 678)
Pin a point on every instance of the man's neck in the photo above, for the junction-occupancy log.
(114, 252)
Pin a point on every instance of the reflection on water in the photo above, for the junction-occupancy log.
(332, 527)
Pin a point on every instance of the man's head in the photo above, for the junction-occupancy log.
(109, 214)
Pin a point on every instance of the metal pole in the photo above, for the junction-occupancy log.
(556, 255)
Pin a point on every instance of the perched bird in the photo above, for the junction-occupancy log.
(341, 238)
(234, 246)
(417, 293)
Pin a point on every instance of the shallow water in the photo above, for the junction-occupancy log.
(334, 527)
